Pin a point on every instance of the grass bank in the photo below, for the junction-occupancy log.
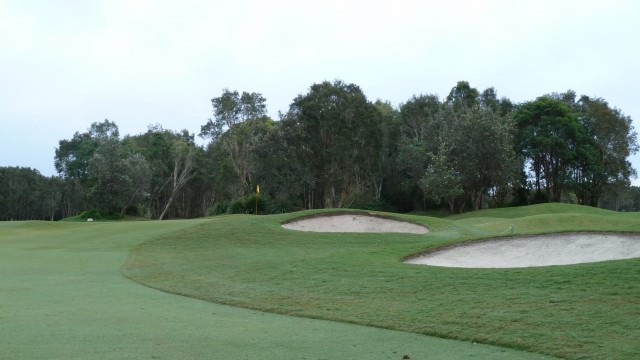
(585, 311)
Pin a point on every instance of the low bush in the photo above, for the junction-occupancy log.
(99, 215)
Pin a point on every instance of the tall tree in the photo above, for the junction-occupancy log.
(419, 116)
(441, 180)
(231, 108)
(25, 194)
(549, 138)
(474, 157)
(612, 139)
(463, 96)
(384, 177)
(282, 169)
(109, 177)
(174, 160)
(239, 120)
(339, 138)
(72, 159)
(420, 126)
(183, 160)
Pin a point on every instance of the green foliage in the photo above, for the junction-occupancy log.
(73, 156)
(581, 146)
(441, 181)
(249, 204)
(108, 177)
(464, 97)
(334, 148)
(239, 206)
(379, 205)
(98, 215)
(25, 194)
(336, 134)
(603, 161)
(219, 208)
(279, 208)
(231, 108)
(175, 168)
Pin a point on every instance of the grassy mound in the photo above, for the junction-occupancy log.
(576, 311)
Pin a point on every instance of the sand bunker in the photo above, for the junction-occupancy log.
(354, 223)
(529, 251)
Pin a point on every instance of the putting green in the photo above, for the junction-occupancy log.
(63, 297)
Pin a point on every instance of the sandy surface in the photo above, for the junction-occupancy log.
(559, 249)
(354, 223)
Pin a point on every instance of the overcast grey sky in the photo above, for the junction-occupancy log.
(65, 64)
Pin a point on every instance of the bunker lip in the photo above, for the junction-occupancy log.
(533, 250)
(353, 222)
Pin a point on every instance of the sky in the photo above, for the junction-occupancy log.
(65, 64)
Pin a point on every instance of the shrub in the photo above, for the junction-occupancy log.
(247, 205)
(99, 215)
(218, 209)
(279, 208)
(378, 205)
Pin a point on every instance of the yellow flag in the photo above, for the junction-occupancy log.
(258, 189)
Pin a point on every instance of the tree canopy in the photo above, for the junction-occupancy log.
(336, 148)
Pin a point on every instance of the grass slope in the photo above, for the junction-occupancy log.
(578, 311)
(62, 297)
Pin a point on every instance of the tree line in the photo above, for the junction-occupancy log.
(335, 148)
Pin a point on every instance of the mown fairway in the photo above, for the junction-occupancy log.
(585, 311)
(62, 297)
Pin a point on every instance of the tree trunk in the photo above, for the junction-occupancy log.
(181, 174)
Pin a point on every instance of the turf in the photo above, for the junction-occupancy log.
(62, 297)
(585, 311)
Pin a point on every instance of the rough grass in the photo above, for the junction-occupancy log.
(62, 297)
(585, 311)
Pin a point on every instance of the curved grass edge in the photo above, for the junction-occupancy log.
(463, 235)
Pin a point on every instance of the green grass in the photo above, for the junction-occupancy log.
(585, 311)
(62, 296)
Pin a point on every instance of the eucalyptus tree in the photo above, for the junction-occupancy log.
(339, 137)
(174, 161)
(182, 157)
(239, 121)
(463, 97)
(489, 100)
(419, 128)
(140, 176)
(611, 140)
(550, 139)
(108, 177)
(72, 156)
(460, 149)
(474, 157)
(25, 194)
(441, 180)
(231, 108)
(72, 159)
(482, 152)
(385, 178)
(281, 165)
(419, 118)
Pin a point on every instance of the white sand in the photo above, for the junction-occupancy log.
(559, 249)
(354, 223)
